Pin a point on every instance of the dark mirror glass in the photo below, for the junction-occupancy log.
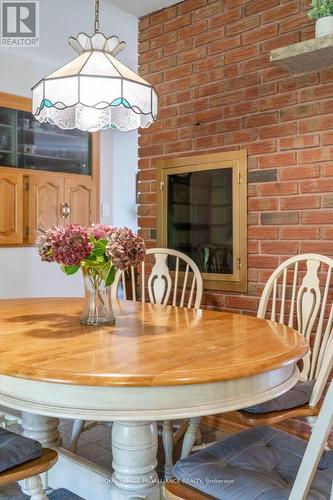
(200, 218)
(26, 143)
(43, 146)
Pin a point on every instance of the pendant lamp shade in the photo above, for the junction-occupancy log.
(95, 91)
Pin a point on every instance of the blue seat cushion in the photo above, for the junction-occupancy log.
(258, 464)
(299, 395)
(16, 450)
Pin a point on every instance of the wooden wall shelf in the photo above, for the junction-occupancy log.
(305, 57)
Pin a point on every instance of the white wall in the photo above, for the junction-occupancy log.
(22, 274)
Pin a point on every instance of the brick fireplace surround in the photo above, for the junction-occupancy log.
(209, 60)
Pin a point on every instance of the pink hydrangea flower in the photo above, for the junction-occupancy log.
(70, 244)
(101, 231)
(43, 244)
(125, 248)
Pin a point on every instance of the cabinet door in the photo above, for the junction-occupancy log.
(80, 197)
(11, 208)
(46, 196)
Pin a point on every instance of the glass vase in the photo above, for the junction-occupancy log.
(97, 306)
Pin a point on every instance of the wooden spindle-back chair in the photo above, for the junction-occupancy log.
(182, 286)
(299, 294)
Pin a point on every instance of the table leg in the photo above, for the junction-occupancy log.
(44, 430)
(168, 441)
(190, 436)
(134, 448)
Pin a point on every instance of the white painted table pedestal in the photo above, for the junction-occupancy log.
(41, 428)
(134, 448)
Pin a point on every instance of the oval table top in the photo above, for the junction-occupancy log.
(151, 345)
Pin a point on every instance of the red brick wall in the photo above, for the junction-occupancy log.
(209, 60)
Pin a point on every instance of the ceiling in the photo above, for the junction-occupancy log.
(142, 7)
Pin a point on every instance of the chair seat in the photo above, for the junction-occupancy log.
(259, 463)
(299, 395)
(16, 449)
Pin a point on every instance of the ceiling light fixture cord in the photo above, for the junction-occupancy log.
(96, 16)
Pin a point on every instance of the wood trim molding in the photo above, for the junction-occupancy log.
(12, 101)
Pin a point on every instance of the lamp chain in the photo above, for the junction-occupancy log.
(96, 16)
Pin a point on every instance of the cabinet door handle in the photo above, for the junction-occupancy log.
(65, 210)
(68, 210)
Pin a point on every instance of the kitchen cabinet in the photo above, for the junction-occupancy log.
(48, 176)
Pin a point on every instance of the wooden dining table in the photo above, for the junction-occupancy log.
(157, 363)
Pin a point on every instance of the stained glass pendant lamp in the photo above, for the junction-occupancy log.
(95, 91)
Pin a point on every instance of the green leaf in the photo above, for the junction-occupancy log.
(100, 243)
(98, 252)
(110, 277)
(99, 249)
(321, 8)
(69, 270)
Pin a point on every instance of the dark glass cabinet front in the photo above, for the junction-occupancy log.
(200, 218)
(202, 212)
(26, 143)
